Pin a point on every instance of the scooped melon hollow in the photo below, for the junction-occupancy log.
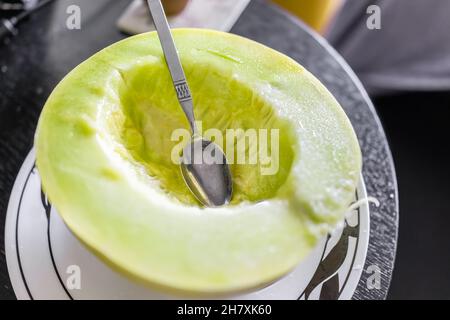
(104, 148)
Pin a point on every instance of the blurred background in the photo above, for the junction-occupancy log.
(400, 49)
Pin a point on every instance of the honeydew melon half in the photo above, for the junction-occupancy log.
(104, 148)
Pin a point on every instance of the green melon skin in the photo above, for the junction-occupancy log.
(103, 148)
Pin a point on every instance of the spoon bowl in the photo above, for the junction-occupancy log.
(206, 172)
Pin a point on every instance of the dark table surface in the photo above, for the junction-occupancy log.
(32, 63)
(417, 127)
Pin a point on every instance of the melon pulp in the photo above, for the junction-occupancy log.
(103, 148)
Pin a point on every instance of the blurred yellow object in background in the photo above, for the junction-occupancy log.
(316, 13)
(172, 7)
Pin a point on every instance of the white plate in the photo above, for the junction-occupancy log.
(43, 256)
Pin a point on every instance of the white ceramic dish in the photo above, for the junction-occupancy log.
(45, 261)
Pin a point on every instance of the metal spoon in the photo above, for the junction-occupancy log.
(204, 165)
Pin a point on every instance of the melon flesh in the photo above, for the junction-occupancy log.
(103, 148)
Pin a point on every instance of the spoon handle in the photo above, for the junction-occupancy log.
(173, 61)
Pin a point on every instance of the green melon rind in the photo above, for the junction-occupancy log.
(121, 214)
